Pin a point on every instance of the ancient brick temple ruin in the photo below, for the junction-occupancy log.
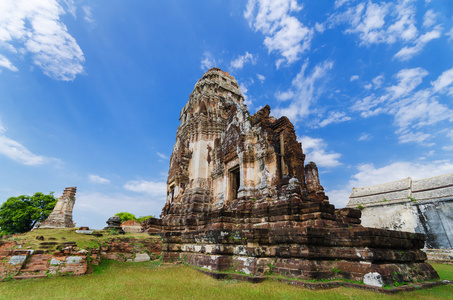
(241, 198)
(61, 216)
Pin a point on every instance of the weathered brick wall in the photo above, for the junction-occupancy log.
(23, 264)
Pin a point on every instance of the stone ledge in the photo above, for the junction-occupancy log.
(325, 285)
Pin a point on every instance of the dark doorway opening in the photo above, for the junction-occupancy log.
(235, 180)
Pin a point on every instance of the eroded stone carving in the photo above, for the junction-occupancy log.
(61, 216)
(240, 197)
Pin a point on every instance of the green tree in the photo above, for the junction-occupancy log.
(125, 216)
(141, 219)
(22, 213)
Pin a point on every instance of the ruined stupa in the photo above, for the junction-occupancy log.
(239, 197)
(61, 216)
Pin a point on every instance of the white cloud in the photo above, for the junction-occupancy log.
(5, 63)
(339, 3)
(315, 150)
(412, 108)
(239, 62)
(320, 27)
(19, 153)
(284, 34)
(450, 34)
(408, 79)
(35, 27)
(407, 53)
(88, 11)
(155, 189)
(161, 155)
(208, 61)
(98, 179)
(368, 174)
(354, 77)
(449, 134)
(378, 81)
(420, 110)
(334, 117)
(429, 19)
(444, 83)
(244, 86)
(365, 137)
(388, 22)
(305, 89)
(261, 78)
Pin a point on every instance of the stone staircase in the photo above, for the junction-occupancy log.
(36, 266)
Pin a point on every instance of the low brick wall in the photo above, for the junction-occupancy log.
(24, 264)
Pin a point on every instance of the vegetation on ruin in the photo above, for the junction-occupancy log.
(153, 280)
(20, 214)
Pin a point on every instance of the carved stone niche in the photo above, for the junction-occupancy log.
(250, 204)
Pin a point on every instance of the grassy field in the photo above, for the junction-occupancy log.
(149, 280)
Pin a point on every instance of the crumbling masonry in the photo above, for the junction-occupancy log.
(240, 198)
(61, 216)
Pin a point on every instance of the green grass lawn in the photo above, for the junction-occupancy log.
(148, 280)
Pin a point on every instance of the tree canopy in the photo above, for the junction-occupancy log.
(20, 214)
(125, 216)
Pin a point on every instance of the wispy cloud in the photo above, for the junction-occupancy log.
(315, 150)
(34, 27)
(365, 137)
(388, 22)
(354, 77)
(304, 91)
(161, 155)
(430, 18)
(5, 63)
(88, 11)
(284, 33)
(208, 61)
(153, 188)
(98, 179)
(244, 86)
(334, 117)
(339, 3)
(19, 153)
(238, 63)
(444, 83)
(412, 108)
(368, 21)
(261, 78)
(450, 34)
(407, 53)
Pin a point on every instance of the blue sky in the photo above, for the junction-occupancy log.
(90, 91)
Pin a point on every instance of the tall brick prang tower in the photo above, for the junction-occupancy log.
(240, 197)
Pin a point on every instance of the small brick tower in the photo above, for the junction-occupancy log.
(61, 216)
